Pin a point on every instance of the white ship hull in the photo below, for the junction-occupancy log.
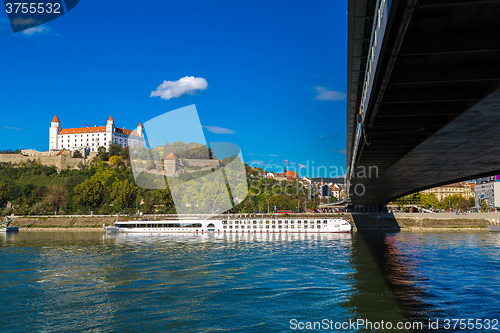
(317, 225)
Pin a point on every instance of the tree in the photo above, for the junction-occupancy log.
(451, 201)
(115, 160)
(89, 193)
(3, 193)
(165, 200)
(101, 153)
(428, 200)
(464, 204)
(56, 197)
(483, 203)
(115, 150)
(126, 155)
(124, 193)
(77, 154)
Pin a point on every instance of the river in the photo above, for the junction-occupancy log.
(60, 281)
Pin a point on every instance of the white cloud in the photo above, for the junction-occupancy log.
(256, 163)
(271, 155)
(219, 130)
(13, 128)
(301, 166)
(186, 85)
(324, 94)
(339, 151)
(20, 22)
(321, 137)
(39, 30)
(25, 22)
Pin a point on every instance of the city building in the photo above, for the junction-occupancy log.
(335, 190)
(487, 191)
(88, 139)
(464, 189)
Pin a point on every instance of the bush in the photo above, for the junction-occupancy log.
(77, 154)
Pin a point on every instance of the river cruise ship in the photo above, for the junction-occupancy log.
(243, 225)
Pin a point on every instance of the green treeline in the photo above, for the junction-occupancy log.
(107, 186)
(430, 201)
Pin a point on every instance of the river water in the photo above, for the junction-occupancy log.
(64, 281)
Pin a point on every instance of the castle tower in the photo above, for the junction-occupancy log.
(55, 128)
(171, 164)
(140, 130)
(110, 125)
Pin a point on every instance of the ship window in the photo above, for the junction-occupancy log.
(279, 226)
(292, 226)
(286, 222)
(279, 221)
(319, 226)
(236, 222)
(298, 222)
(305, 226)
(255, 227)
(325, 222)
(249, 227)
(274, 226)
(274, 222)
(230, 222)
(230, 227)
(267, 222)
(292, 222)
(260, 222)
(286, 226)
(267, 227)
(254, 222)
(235, 227)
(224, 226)
(318, 221)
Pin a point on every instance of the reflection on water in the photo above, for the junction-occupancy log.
(241, 282)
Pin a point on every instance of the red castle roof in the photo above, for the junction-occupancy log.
(171, 156)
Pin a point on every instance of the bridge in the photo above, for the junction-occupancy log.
(423, 102)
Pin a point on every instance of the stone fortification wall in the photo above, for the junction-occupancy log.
(62, 161)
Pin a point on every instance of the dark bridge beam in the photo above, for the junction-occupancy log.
(427, 99)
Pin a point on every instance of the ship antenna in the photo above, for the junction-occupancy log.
(213, 214)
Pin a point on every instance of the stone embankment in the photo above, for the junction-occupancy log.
(424, 221)
(367, 221)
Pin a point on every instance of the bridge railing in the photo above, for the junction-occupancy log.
(378, 32)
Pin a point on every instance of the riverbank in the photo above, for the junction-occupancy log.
(423, 221)
(384, 221)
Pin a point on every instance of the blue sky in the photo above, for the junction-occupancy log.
(275, 74)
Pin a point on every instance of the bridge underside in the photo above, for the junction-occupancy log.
(434, 113)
